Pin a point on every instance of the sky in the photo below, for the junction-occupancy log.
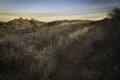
(50, 10)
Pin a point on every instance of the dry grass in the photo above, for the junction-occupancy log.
(33, 56)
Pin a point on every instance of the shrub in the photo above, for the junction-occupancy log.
(114, 13)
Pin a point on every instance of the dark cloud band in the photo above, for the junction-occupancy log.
(104, 1)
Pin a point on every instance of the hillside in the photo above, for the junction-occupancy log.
(60, 50)
(95, 56)
(20, 26)
(23, 26)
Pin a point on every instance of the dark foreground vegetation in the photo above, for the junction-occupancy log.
(60, 50)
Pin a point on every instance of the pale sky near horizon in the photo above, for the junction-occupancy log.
(49, 10)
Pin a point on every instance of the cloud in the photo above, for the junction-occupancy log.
(104, 1)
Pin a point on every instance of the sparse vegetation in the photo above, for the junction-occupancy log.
(33, 56)
(68, 50)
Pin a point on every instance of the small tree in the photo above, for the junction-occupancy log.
(114, 13)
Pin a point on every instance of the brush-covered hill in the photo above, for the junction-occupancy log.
(23, 26)
(94, 56)
(66, 22)
(20, 25)
(61, 50)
